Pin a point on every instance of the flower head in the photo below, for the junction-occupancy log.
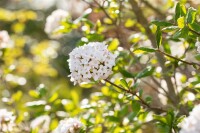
(54, 20)
(91, 61)
(4, 39)
(70, 125)
(6, 120)
(191, 123)
(42, 123)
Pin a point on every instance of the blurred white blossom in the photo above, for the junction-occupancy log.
(91, 61)
(197, 44)
(71, 125)
(54, 20)
(41, 123)
(4, 39)
(6, 120)
(191, 123)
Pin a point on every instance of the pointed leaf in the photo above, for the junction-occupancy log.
(191, 15)
(158, 37)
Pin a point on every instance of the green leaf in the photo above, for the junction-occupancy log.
(95, 37)
(191, 15)
(181, 22)
(146, 72)
(125, 73)
(124, 83)
(150, 50)
(113, 118)
(123, 111)
(34, 94)
(148, 99)
(158, 37)
(161, 119)
(170, 28)
(197, 57)
(194, 26)
(179, 11)
(135, 107)
(182, 33)
(161, 23)
(180, 119)
(53, 97)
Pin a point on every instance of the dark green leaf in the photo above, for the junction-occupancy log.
(124, 110)
(170, 28)
(148, 99)
(126, 73)
(182, 33)
(191, 15)
(197, 56)
(145, 49)
(179, 11)
(135, 107)
(161, 23)
(195, 26)
(146, 72)
(158, 37)
(124, 83)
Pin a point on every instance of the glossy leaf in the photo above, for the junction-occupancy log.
(146, 72)
(191, 15)
(158, 37)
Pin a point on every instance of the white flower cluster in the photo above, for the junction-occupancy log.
(71, 125)
(197, 44)
(191, 123)
(4, 39)
(54, 20)
(41, 123)
(6, 120)
(91, 61)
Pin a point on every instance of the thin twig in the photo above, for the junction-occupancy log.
(135, 94)
(186, 62)
(162, 15)
(197, 33)
(105, 12)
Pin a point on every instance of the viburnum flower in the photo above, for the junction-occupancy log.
(54, 20)
(71, 125)
(4, 39)
(41, 123)
(90, 62)
(197, 44)
(6, 120)
(191, 123)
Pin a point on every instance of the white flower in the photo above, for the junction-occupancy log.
(191, 123)
(42, 123)
(4, 39)
(71, 125)
(91, 61)
(197, 44)
(6, 120)
(54, 20)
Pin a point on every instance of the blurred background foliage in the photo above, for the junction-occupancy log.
(34, 70)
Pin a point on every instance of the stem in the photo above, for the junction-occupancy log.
(166, 54)
(161, 14)
(105, 12)
(135, 94)
(128, 91)
(194, 31)
(144, 22)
